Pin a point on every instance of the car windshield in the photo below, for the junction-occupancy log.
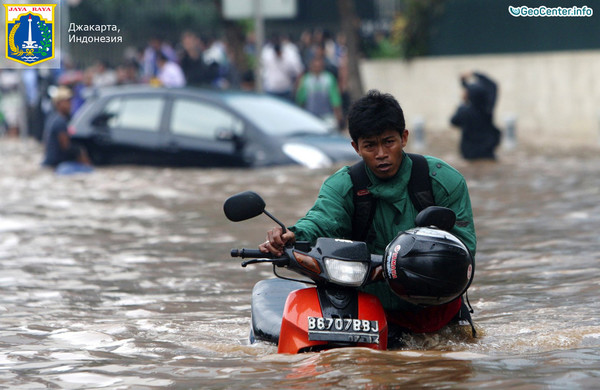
(276, 117)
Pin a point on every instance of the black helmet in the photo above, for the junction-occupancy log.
(427, 266)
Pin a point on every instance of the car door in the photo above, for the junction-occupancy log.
(134, 126)
(204, 134)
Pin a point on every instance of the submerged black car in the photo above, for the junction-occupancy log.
(192, 127)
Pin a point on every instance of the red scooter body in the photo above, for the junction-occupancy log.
(303, 306)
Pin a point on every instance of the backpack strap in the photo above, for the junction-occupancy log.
(364, 203)
(463, 317)
(419, 185)
(419, 190)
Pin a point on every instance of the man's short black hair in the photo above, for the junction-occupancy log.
(373, 114)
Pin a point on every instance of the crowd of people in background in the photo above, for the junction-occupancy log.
(310, 71)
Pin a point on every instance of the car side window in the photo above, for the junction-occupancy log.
(198, 119)
(135, 112)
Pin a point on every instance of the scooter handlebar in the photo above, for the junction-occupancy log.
(245, 253)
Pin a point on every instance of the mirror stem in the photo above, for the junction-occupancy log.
(276, 220)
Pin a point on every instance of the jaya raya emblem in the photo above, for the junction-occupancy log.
(29, 33)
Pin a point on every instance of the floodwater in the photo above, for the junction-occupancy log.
(122, 279)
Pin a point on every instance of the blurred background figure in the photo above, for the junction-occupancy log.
(104, 75)
(33, 100)
(281, 68)
(305, 47)
(318, 93)
(342, 72)
(191, 60)
(127, 72)
(81, 89)
(474, 117)
(57, 142)
(150, 56)
(10, 102)
(169, 74)
(215, 58)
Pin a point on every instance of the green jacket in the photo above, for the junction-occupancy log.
(331, 215)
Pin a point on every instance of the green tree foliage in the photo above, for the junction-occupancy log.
(412, 28)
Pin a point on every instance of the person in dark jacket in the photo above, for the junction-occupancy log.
(475, 117)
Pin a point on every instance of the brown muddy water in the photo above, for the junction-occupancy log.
(122, 279)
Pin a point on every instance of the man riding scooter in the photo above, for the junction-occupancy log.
(377, 128)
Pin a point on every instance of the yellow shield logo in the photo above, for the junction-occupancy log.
(29, 33)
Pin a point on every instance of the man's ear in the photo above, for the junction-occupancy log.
(404, 137)
(355, 146)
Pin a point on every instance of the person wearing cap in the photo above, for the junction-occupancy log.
(57, 142)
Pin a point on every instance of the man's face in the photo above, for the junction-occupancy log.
(317, 66)
(64, 106)
(382, 153)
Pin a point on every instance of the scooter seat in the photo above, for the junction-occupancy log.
(268, 302)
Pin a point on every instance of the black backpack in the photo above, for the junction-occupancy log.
(420, 192)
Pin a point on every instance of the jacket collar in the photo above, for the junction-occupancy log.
(392, 190)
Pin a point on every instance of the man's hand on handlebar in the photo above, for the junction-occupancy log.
(276, 241)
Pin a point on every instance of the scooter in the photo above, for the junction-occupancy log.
(333, 313)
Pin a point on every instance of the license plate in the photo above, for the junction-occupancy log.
(343, 330)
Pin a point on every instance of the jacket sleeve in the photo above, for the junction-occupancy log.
(331, 214)
(454, 194)
(460, 202)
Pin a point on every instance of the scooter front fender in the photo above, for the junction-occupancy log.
(304, 303)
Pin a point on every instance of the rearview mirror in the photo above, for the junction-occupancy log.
(246, 205)
(223, 134)
(441, 217)
(228, 135)
(243, 206)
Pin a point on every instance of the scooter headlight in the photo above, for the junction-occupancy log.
(347, 273)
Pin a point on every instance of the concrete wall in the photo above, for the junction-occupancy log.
(555, 96)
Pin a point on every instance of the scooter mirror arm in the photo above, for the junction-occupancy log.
(276, 220)
(376, 260)
(376, 269)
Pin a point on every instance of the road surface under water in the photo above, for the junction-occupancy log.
(122, 279)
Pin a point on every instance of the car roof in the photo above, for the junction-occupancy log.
(209, 94)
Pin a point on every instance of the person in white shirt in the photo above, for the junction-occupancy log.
(281, 65)
(169, 72)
